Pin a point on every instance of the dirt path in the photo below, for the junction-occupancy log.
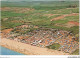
(73, 23)
(62, 16)
(7, 31)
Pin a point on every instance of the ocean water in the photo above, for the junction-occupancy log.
(6, 51)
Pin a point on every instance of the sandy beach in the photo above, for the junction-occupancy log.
(28, 49)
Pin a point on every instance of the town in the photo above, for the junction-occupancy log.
(44, 37)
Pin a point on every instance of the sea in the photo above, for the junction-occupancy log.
(6, 51)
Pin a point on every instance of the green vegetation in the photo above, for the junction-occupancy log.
(64, 11)
(8, 14)
(7, 25)
(43, 5)
(75, 29)
(54, 46)
(37, 16)
(76, 52)
(60, 21)
(71, 18)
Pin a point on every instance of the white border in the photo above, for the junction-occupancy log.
(79, 27)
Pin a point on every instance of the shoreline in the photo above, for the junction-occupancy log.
(27, 49)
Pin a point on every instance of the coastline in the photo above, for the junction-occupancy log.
(27, 49)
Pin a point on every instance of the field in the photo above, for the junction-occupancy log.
(24, 17)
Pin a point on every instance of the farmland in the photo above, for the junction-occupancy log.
(25, 18)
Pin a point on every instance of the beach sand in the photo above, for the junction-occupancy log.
(28, 49)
